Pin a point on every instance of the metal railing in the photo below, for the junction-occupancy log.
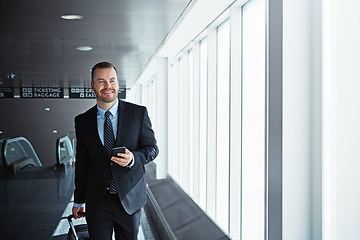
(18, 154)
(65, 153)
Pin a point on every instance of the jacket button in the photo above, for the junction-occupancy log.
(111, 164)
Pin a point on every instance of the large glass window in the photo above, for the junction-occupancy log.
(171, 118)
(253, 120)
(203, 124)
(152, 102)
(145, 94)
(181, 153)
(191, 123)
(176, 122)
(210, 171)
(223, 125)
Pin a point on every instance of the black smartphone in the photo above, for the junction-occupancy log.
(117, 150)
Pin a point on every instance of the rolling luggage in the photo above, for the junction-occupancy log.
(77, 232)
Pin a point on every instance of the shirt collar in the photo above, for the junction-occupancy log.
(113, 109)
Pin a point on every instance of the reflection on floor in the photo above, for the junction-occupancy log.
(35, 204)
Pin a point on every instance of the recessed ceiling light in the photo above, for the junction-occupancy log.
(1, 132)
(84, 48)
(47, 109)
(71, 17)
(11, 75)
(54, 131)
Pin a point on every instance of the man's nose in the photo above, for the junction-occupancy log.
(107, 84)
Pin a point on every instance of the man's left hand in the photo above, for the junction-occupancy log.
(123, 159)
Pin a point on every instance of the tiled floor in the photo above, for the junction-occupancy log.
(146, 232)
(35, 204)
(31, 203)
(62, 229)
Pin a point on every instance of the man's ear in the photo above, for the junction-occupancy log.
(92, 86)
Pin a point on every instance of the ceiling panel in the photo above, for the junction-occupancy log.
(39, 47)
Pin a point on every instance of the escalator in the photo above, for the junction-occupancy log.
(18, 156)
(65, 156)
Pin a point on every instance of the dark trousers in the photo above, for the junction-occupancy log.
(112, 216)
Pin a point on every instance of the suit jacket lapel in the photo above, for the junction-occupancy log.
(122, 119)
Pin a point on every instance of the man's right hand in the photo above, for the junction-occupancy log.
(77, 210)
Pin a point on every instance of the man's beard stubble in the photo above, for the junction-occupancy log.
(106, 100)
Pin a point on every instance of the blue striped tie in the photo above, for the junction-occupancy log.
(109, 142)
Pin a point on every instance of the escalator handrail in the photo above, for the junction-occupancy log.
(16, 139)
(2, 153)
(69, 148)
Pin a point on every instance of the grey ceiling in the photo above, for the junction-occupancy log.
(39, 47)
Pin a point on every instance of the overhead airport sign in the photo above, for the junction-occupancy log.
(88, 93)
(42, 92)
(6, 92)
(81, 93)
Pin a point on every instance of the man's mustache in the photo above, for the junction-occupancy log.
(107, 89)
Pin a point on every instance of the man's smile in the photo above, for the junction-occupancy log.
(108, 91)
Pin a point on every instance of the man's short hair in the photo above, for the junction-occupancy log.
(101, 65)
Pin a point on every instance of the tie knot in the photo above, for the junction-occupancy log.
(107, 114)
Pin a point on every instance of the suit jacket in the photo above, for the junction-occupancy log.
(93, 167)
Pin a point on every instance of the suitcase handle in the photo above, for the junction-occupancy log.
(69, 218)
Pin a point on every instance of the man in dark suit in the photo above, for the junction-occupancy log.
(113, 187)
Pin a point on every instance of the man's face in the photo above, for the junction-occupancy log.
(105, 84)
